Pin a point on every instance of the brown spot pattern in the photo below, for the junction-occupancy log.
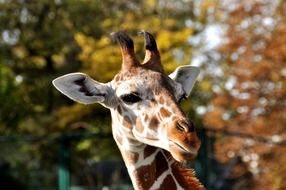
(168, 183)
(139, 125)
(119, 109)
(154, 122)
(147, 175)
(127, 122)
(164, 112)
(146, 118)
(131, 157)
(149, 150)
(162, 164)
(161, 100)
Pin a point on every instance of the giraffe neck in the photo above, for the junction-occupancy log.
(153, 168)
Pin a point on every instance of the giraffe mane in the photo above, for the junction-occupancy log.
(186, 176)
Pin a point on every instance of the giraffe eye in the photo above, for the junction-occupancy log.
(131, 98)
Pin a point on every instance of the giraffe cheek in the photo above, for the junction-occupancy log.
(173, 134)
(139, 125)
(127, 122)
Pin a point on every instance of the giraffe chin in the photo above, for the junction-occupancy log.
(182, 154)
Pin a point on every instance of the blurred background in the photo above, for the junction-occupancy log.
(238, 104)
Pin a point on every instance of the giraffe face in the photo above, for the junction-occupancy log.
(143, 100)
(148, 110)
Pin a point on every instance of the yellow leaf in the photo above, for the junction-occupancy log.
(205, 85)
(83, 145)
(20, 52)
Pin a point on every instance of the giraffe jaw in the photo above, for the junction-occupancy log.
(151, 141)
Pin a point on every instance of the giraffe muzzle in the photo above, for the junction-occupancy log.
(183, 141)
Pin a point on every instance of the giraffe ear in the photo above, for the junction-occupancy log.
(81, 88)
(186, 76)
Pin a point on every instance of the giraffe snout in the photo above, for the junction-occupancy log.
(183, 140)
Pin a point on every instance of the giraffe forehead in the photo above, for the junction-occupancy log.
(144, 82)
(125, 83)
(131, 85)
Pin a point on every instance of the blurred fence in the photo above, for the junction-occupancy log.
(109, 174)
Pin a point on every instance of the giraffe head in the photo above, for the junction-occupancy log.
(143, 100)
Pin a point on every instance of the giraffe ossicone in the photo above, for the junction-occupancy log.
(151, 131)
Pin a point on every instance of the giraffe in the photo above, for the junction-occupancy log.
(153, 134)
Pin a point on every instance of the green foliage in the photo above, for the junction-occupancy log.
(41, 40)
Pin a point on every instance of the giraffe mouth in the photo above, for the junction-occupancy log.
(182, 153)
(150, 141)
(181, 147)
